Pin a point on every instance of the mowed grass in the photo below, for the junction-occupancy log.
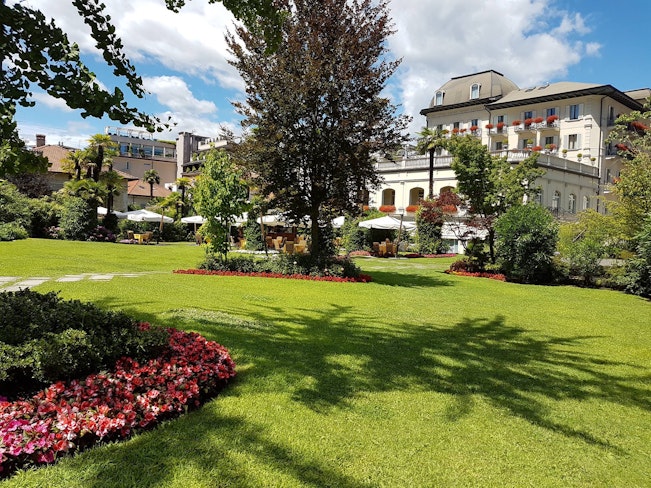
(416, 379)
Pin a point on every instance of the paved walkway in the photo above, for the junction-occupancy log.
(15, 283)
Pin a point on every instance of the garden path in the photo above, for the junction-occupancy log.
(15, 283)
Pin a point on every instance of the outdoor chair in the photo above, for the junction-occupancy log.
(376, 248)
(289, 247)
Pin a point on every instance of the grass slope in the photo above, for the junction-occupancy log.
(416, 379)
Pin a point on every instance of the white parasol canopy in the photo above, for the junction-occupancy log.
(104, 211)
(194, 219)
(338, 222)
(387, 223)
(148, 216)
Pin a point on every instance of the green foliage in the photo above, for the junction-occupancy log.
(44, 339)
(429, 222)
(490, 184)
(12, 231)
(46, 213)
(585, 255)
(526, 242)
(14, 206)
(78, 219)
(253, 234)
(177, 231)
(637, 279)
(220, 195)
(313, 165)
(354, 237)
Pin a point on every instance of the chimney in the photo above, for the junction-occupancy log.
(40, 140)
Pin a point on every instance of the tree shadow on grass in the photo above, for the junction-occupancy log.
(508, 366)
(519, 371)
(408, 280)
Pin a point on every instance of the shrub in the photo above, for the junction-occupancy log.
(584, 258)
(253, 235)
(214, 263)
(637, 279)
(44, 339)
(101, 234)
(45, 214)
(78, 219)
(175, 232)
(526, 242)
(12, 232)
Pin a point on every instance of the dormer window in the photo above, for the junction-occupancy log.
(438, 99)
(474, 91)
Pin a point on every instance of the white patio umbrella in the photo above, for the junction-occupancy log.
(148, 216)
(194, 219)
(338, 222)
(104, 211)
(272, 220)
(387, 223)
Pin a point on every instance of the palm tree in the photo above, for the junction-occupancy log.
(100, 151)
(112, 180)
(430, 140)
(151, 176)
(73, 163)
(182, 184)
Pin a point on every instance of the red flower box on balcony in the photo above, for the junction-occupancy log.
(387, 208)
(516, 122)
(528, 122)
(551, 119)
(538, 120)
(473, 128)
(412, 208)
(500, 125)
(537, 148)
(490, 126)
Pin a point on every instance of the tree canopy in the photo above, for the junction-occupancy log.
(35, 52)
(490, 185)
(315, 107)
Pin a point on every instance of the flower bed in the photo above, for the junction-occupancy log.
(418, 255)
(362, 278)
(112, 405)
(359, 253)
(492, 276)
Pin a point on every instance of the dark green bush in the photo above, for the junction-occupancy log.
(45, 215)
(44, 339)
(243, 264)
(78, 219)
(253, 235)
(12, 232)
(526, 242)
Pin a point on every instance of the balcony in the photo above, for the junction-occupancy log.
(550, 161)
(548, 125)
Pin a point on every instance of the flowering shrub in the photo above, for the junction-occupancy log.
(359, 253)
(362, 278)
(483, 274)
(101, 234)
(66, 417)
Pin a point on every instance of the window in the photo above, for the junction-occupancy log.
(571, 203)
(527, 115)
(575, 111)
(556, 200)
(474, 91)
(500, 118)
(573, 141)
(611, 115)
(550, 111)
(388, 197)
(438, 99)
(499, 145)
(586, 202)
(549, 140)
(474, 122)
(439, 127)
(456, 125)
(538, 197)
(416, 195)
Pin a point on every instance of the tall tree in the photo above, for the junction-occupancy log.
(182, 184)
(429, 140)
(35, 52)
(100, 152)
(490, 185)
(632, 135)
(151, 177)
(220, 194)
(315, 106)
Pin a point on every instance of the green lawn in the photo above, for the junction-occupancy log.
(417, 379)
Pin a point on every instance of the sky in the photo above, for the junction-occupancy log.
(182, 57)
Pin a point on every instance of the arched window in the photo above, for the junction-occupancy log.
(389, 197)
(438, 99)
(556, 200)
(586, 202)
(571, 203)
(474, 91)
(416, 195)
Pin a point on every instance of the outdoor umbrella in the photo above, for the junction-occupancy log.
(148, 216)
(194, 219)
(104, 211)
(387, 223)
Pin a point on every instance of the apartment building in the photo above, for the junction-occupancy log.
(567, 122)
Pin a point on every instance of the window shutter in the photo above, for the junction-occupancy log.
(581, 106)
(564, 142)
(578, 142)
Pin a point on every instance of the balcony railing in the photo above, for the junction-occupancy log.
(550, 161)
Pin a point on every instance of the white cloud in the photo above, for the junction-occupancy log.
(50, 101)
(529, 41)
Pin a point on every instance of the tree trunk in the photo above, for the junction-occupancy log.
(431, 174)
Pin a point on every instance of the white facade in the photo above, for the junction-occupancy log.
(566, 122)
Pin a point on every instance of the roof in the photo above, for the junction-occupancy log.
(561, 91)
(55, 154)
(493, 85)
(140, 188)
(641, 94)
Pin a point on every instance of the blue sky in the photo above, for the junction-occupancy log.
(182, 57)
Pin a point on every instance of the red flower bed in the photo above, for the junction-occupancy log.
(387, 208)
(492, 276)
(359, 253)
(111, 405)
(418, 255)
(362, 278)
